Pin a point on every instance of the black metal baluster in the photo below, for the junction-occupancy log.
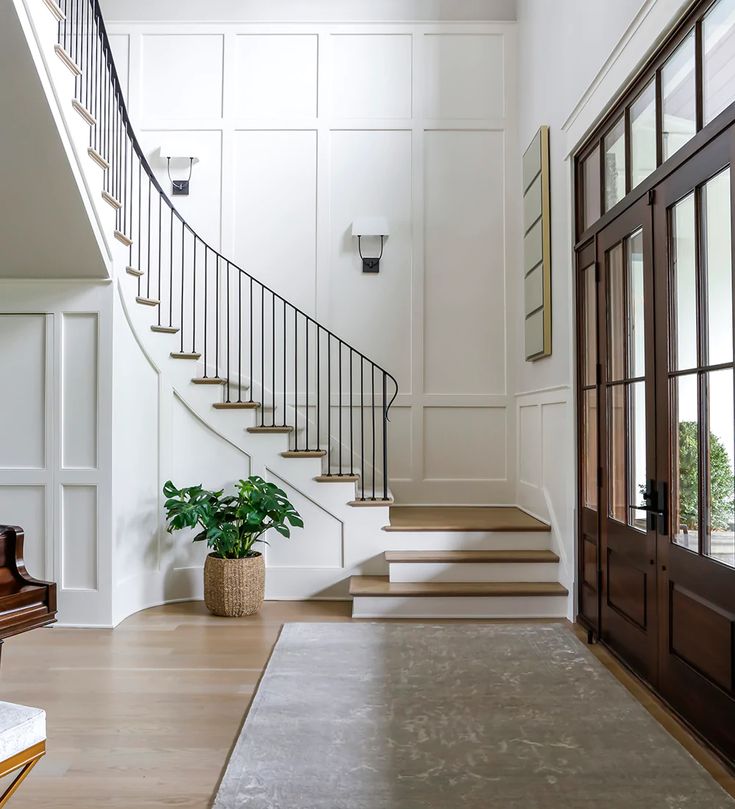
(306, 385)
(216, 316)
(227, 275)
(194, 299)
(319, 387)
(296, 379)
(171, 271)
(262, 352)
(385, 436)
(250, 348)
(339, 411)
(148, 269)
(372, 412)
(362, 427)
(160, 234)
(239, 334)
(284, 362)
(329, 402)
(273, 362)
(183, 253)
(352, 472)
(206, 307)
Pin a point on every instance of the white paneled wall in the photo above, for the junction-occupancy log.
(300, 129)
(55, 436)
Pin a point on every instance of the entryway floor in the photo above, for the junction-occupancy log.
(145, 715)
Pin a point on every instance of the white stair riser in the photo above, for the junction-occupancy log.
(466, 540)
(473, 571)
(459, 607)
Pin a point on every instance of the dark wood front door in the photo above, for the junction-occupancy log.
(696, 440)
(628, 608)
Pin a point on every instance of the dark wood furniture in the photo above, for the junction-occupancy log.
(25, 603)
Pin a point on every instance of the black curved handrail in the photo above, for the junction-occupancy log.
(273, 330)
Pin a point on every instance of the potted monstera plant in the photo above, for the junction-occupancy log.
(231, 525)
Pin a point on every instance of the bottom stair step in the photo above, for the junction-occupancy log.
(380, 586)
(376, 596)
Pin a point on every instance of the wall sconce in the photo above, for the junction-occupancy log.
(169, 152)
(372, 227)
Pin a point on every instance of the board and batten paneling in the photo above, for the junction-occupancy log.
(303, 127)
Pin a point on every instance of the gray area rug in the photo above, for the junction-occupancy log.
(456, 716)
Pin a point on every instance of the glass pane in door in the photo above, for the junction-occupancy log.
(616, 314)
(684, 285)
(637, 453)
(718, 266)
(616, 468)
(685, 461)
(720, 540)
(590, 448)
(591, 190)
(589, 319)
(636, 317)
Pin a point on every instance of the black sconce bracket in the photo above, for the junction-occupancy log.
(179, 188)
(370, 264)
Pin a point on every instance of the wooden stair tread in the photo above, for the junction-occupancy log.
(304, 453)
(494, 557)
(236, 405)
(147, 301)
(110, 200)
(337, 478)
(462, 518)
(381, 586)
(122, 238)
(271, 429)
(98, 159)
(165, 329)
(183, 355)
(369, 502)
(134, 271)
(208, 380)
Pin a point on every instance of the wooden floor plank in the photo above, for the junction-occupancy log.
(453, 557)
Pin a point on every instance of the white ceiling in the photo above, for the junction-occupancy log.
(45, 231)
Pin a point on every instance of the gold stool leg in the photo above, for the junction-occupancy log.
(25, 761)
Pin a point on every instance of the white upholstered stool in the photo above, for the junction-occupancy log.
(22, 743)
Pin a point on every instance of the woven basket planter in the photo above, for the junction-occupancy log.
(234, 587)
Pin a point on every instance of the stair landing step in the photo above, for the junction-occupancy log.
(462, 518)
(380, 586)
(454, 557)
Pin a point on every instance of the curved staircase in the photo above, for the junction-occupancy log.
(267, 377)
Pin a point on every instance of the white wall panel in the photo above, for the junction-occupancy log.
(464, 443)
(275, 210)
(79, 537)
(79, 391)
(371, 176)
(297, 551)
(26, 506)
(323, 122)
(276, 76)
(23, 366)
(463, 76)
(529, 432)
(183, 76)
(371, 76)
(464, 280)
(197, 453)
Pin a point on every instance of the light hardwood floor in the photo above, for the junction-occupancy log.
(145, 715)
